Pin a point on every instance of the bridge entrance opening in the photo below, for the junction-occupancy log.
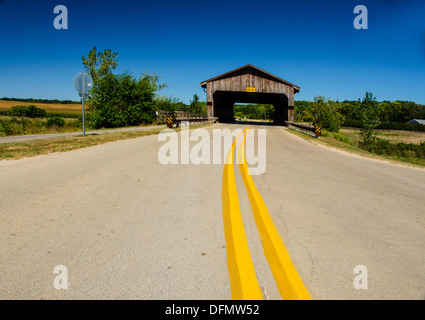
(224, 104)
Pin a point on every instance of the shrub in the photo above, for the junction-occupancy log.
(325, 113)
(387, 125)
(6, 127)
(402, 126)
(341, 138)
(56, 121)
(352, 123)
(401, 149)
(64, 115)
(30, 111)
(369, 112)
(122, 100)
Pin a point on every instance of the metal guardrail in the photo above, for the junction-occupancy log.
(177, 121)
(161, 116)
(175, 118)
(315, 131)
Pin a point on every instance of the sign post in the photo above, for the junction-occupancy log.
(83, 83)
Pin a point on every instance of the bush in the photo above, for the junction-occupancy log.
(6, 127)
(325, 113)
(59, 122)
(121, 100)
(30, 111)
(64, 115)
(401, 149)
(402, 126)
(341, 138)
(387, 125)
(352, 123)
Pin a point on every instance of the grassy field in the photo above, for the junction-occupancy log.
(392, 135)
(54, 108)
(346, 140)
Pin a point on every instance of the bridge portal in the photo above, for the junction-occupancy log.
(249, 84)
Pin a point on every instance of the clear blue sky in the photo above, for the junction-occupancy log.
(312, 44)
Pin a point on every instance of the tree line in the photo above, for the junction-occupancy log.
(369, 114)
(389, 111)
(254, 111)
(46, 101)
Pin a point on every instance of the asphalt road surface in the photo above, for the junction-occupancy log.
(126, 226)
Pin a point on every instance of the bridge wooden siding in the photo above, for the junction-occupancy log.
(268, 89)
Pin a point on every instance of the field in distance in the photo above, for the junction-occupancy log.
(394, 136)
(49, 107)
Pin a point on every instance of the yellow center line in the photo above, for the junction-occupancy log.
(288, 281)
(243, 281)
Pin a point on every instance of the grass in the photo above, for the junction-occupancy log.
(23, 126)
(18, 150)
(49, 107)
(395, 136)
(346, 140)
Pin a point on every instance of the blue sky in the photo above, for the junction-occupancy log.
(312, 44)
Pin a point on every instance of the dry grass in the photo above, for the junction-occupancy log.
(49, 107)
(394, 136)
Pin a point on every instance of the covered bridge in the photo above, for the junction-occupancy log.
(249, 84)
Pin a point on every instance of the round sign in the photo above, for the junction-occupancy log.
(83, 83)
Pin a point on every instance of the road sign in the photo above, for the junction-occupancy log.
(83, 83)
(318, 131)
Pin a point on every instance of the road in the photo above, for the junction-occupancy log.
(126, 226)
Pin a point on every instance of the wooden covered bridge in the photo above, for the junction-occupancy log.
(249, 84)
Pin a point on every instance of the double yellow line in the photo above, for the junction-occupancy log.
(243, 281)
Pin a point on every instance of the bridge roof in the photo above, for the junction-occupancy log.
(249, 68)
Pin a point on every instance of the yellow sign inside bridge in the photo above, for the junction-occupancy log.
(250, 89)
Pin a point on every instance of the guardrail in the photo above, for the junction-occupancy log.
(161, 116)
(315, 131)
(175, 118)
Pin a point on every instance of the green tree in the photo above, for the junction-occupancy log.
(122, 100)
(195, 105)
(326, 113)
(30, 111)
(170, 104)
(369, 110)
(99, 64)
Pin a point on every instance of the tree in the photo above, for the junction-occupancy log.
(369, 110)
(99, 64)
(195, 105)
(170, 104)
(326, 113)
(122, 100)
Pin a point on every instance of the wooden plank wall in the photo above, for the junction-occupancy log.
(241, 82)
